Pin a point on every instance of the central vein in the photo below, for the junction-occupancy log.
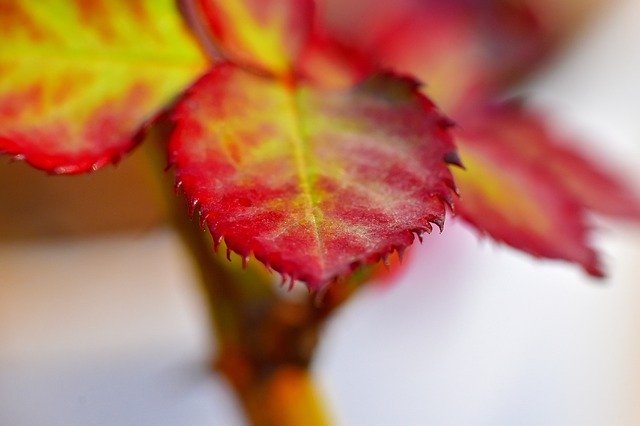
(301, 150)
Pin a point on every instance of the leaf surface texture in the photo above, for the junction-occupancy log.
(312, 182)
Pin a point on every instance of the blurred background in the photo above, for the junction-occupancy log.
(101, 322)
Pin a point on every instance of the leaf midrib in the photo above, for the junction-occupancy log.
(301, 142)
(109, 56)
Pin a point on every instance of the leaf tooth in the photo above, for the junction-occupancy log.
(228, 254)
(453, 158)
(439, 222)
(116, 158)
(193, 206)
(401, 251)
(203, 219)
(446, 123)
(451, 184)
(595, 268)
(292, 282)
(178, 186)
(60, 170)
(422, 229)
(245, 262)
(321, 293)
(217, 240)
(288, 280)
(358, 263)
(386, 261)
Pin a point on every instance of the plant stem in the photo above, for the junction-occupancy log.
(265, 341)
(288, 397)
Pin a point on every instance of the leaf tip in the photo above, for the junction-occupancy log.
(594, 269)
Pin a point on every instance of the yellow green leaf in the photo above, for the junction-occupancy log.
(265, 34)
(79, 79)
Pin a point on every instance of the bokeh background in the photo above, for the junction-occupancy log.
(101, 322)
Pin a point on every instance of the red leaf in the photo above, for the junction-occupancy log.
(264, 34)
(312, 182)
(329, 63)
(526, 188)
(460, 49)
(529, 136)
(522, 185)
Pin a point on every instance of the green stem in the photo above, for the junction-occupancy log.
(265, 341)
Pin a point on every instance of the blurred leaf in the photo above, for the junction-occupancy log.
(527, 134)
(79, 79)
(326, 62)
(265, 34)
(526, 188)
(463, 50)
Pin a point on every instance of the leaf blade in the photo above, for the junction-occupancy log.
(264, 34)
(79, 80)
(523, 186)
(462, 50)
(590, 182)
(311, 182)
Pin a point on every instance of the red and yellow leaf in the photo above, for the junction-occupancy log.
(78, 79)
(522, 185)
(463, 50)
(328, 63)
(312, 182)
(526, 188)
(514, 203)
(527, 135)
(265, 34)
